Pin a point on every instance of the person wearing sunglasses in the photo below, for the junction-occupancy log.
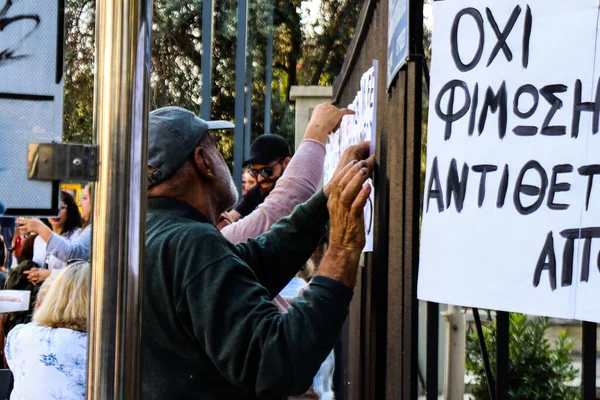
(269, 157)
(282, 182)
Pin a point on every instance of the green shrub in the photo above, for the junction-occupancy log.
(536, 370)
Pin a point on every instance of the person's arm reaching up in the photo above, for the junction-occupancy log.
(298, 182)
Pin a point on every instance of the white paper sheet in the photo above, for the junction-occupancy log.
(14, 300)
(354, 129)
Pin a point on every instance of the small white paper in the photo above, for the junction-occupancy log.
(354, 129)
(14, 300)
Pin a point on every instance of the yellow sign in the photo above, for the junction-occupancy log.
(74, 189)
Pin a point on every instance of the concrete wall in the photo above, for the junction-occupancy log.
(307, 98)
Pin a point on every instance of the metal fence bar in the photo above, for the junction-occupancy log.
(269, 70)
(502, 340)
(588, 362)
(433, 331)
(484, 354)
(208, 10)
(240, 79)
(248, 106)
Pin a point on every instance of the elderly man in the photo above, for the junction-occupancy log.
(209, 327)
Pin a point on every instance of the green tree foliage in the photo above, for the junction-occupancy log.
(176, 78)
(537, 370)
(425, 109)
(324, 52)
(79, 71)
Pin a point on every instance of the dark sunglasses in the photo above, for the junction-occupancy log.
(265, 172)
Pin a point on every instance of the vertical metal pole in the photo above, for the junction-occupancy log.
(484, 354)
(502, 337)
(456, 342)
(433, 331)
(248, 130)
(120, 122)
(269, 70)
(588, 364)
(208, 8)
(240, 76)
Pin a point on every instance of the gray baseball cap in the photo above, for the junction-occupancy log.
(173, 134)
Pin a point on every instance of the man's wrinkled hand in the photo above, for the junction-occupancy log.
(348, 195)
(325, 119)
(357, 152)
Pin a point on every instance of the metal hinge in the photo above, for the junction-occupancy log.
(62, 162)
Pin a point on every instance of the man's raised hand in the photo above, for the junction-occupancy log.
(325, 119)
(347, 195)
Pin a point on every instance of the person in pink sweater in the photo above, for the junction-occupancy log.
(269, 157)
(299, 181)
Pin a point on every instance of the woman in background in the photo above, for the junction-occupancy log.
(248, 182)
(54, 247)
(48, 357)
(79, 247)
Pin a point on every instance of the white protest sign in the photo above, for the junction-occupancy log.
(510, 217)
(354, 129)
(31, 99)
(14, 300)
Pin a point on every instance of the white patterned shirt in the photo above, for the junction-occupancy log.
(47, 363)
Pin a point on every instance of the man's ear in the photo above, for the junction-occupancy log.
(204, 163)
(286, 161)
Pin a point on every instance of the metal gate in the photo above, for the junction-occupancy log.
(378, 354)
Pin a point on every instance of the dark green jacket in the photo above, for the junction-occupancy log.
(210, 330)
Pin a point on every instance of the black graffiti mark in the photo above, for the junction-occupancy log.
(369, 206)
(8, 54)
(28, 97)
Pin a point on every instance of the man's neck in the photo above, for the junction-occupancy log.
(195, 197)
(204, 204)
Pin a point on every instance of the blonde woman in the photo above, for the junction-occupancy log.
(54, 345)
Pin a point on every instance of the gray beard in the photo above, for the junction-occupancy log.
(232, 192)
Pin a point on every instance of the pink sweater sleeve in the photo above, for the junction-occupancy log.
(297, 184)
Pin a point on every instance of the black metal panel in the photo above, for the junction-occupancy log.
(588, 362)
(433, 331)
(502, 339)
(484, 354)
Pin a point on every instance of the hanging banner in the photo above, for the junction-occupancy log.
(511, 216)
(354, 129)
(31, 100)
